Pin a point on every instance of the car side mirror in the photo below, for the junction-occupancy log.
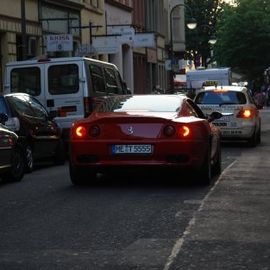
(127, 90)
(3, 118)
(213, 116)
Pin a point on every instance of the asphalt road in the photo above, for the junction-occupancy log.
(141, 223)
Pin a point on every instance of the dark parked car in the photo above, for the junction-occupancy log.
(11, 155)
(39, 135)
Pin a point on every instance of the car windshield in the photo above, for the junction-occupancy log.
(221, 97)
(3, 107)
(154, 103)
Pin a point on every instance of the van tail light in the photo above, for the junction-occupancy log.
(88, 106)
(184, 131)
(246, 113)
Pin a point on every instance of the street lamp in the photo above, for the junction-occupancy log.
(213, 39)
(191, 24)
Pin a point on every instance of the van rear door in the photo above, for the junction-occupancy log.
(64, 85)
(26, 78)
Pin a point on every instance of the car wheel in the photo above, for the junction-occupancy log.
(205, 173)
(29, 160)
(252, 142)
(60, 154)
(16, 171)
(81, 176)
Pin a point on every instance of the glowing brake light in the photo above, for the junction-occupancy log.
(80, 132)
(245, 113)
(184, 131)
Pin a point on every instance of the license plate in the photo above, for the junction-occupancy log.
(132, 149)
(220, 124)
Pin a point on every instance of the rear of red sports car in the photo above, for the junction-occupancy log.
(136, 139)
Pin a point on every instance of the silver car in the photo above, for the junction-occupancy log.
(241, 117)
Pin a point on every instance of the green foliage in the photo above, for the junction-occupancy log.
(207, 13)
(244, 37)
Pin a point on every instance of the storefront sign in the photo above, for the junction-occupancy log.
(56, 43)
(106, 44)
(144, 40)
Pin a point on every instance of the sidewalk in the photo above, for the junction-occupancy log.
(231, 230)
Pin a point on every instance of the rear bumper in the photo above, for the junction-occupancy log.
(245, 132)
(165, 155)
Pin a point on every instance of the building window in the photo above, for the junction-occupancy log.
(95, 3)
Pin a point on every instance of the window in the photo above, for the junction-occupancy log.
(95, 3)
(21, 106)
(111, 82)
(97, 78)
(63, 79)
(222, 97)
(26, 80)
(38, 110)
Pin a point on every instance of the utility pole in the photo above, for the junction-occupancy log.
(23, 28)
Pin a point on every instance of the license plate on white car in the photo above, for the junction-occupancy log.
(132, 149)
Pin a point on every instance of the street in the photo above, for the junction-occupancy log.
(146, 223)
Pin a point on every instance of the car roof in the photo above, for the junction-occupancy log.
(17, 94)
(225, 88)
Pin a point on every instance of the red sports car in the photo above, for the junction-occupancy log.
(138, 131)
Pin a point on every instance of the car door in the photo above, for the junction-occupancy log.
(46, 134)
(35, 128)
(6, 145)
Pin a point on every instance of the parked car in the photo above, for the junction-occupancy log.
(38, 134)
(11, 155)
(242, 120)
(152, 131)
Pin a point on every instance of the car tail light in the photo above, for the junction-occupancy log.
(80, 132)
(184, 131)
(169, 131)
(94, 131)
(246, 113)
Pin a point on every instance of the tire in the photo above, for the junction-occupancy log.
(81, 176)
(16, 171)
(29, 160)
(252, 142)
(205, 173)
(60, 154)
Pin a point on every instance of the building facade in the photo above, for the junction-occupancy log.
(134, 35)
(119, 26)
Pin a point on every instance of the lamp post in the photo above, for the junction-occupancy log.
(206, 42)
(191, 24)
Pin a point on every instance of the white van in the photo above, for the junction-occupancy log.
(68, 87)
(199, 78)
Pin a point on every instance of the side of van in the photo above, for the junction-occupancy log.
(69, 87)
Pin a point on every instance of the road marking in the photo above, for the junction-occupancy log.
(180, 241)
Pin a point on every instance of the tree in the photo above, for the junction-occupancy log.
(244, 38)
(207, 14)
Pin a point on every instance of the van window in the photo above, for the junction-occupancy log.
(97, 79)
(111, 81)
(63, 79)
(26, 80)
